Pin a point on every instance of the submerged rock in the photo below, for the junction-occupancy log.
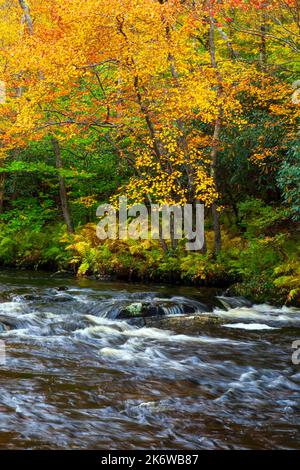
(4, 327)
(184, 323)
(234, 302)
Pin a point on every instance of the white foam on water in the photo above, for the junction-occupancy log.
(166, 335)
(23, 333)
(117, 354)
(38, 317)
(122, 328)
(82, 298)
(149, 357)
(12, 308)
(99, 321)
(250, 326)
(261, 314)
(95, 331)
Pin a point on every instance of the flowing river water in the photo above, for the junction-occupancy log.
(78, 375)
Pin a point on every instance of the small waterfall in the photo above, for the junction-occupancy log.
(173, 309)
(234, 302)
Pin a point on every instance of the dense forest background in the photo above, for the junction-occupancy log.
(164, 101)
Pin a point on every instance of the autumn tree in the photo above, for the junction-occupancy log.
(163, 83)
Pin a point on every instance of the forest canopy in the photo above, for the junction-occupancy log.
(164, 101)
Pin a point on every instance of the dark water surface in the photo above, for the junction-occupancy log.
(77, 377)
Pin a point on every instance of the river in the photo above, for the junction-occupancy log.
(76, 376)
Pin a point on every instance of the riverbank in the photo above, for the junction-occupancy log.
(262, 269)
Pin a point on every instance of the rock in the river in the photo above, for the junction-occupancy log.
(135, 309)
(141, 309)
(161, 307)
(7, 322)
(3, 327)
(234, 302)
(184, 323)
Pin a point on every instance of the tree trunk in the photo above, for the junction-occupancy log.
(62, 186)
(27, 16)
(2, 190)
(216, 138)
(215, 212)
(263, 44)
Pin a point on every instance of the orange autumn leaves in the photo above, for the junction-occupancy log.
(138, 72)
